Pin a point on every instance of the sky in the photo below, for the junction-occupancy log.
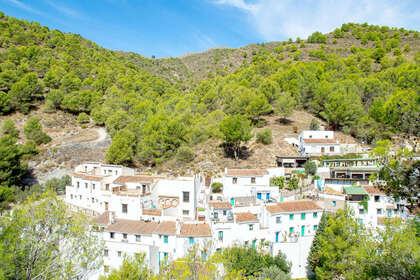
(176, 27)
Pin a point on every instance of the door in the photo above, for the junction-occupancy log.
(302, 231)
(322, 150)
(277, 237)
(259, 195)
(106, 206)
(232, 201)
(267, 196)
(389, 213)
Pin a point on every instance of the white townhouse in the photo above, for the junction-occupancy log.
(291, 227)
(317, 143)
(194, 235)
(250, 182)
(371, 206)
(220, 211)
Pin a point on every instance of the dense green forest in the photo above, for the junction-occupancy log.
(372, 93)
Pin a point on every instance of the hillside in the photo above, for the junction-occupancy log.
(362, 80)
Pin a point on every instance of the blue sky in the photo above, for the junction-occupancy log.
(176, 27)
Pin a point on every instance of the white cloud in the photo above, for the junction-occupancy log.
(25, 7)
(63, 9)
(280, 19)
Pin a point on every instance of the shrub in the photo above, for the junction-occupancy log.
(185, 154)
(397, 52)
(83, 118)
(317, 37)
(310, 167)
(314, 124)
(264, 136)
(216, 187)
(33, 131)
(277, 181)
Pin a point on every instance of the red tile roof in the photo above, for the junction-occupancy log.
(130, 226)
(293, 206)
(246, 172)
(245, 217)
(133, 179)
(320, 141)
(195, 230)
(220, 205)
(102, 219)
(166, 228)
(87, 177)
(373, 190)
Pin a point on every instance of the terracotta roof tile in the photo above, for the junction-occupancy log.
(320, 141)
(87, 177)
(293, 206)
(220, 205)
(246, 172)
(102, 219)
(373, 190)
(245, 217)
(133, 179)
(152, 212)
(134, 227)
(166, 228)
(195, 230)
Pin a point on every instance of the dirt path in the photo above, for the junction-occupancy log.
(102, 135)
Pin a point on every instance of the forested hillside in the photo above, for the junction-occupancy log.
(361, 79)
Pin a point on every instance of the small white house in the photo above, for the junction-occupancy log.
(317, 143)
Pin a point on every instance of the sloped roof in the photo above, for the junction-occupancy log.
(166, 228)
(354, 190)
(220, 205)
(130, 226)
(293, 206)
(133, 179)
(373, 190)
(246, 172)
(87, 177)
(320, 141)
(102, 219)
(245, 217)
(195, 230)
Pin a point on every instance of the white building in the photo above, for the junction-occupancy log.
(317, 143)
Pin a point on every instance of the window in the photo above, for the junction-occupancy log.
(215, 215)
(106, 206)
(315, 214)
(326, 136)
(234, 180)
(124, 208)
(107, 187)
(110, 171)
(165, 239)
(186, 196)
(138, 238)
(334, 203)
(322, 149)
(93, 200)
(191, 239)
(246, 243)
(93, 186)
(291, 229)
(219, 250)
(86, 185)
(185, 212)
(71, 196)
(379, 211)
(361, 211)
(80, 197)
(78, 184)
(119, 253)
(251, 227)
(331, 149)
(303, 216)
(315, 227)
(377, 198)
(112, 235)
(252, 180)
(106, 268)
(278, 220)
(291, 216)
(224, 212)
(125, 235)
(106, 252)
(220, 234)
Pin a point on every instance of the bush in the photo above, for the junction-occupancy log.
(83, 118)
(314, 124)
(58, 185)
(33, 131)
(317, 37)
(310, 167)
(185, 154)
(264, 136)
(277, 181)
(216, 187)
(273, 273)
